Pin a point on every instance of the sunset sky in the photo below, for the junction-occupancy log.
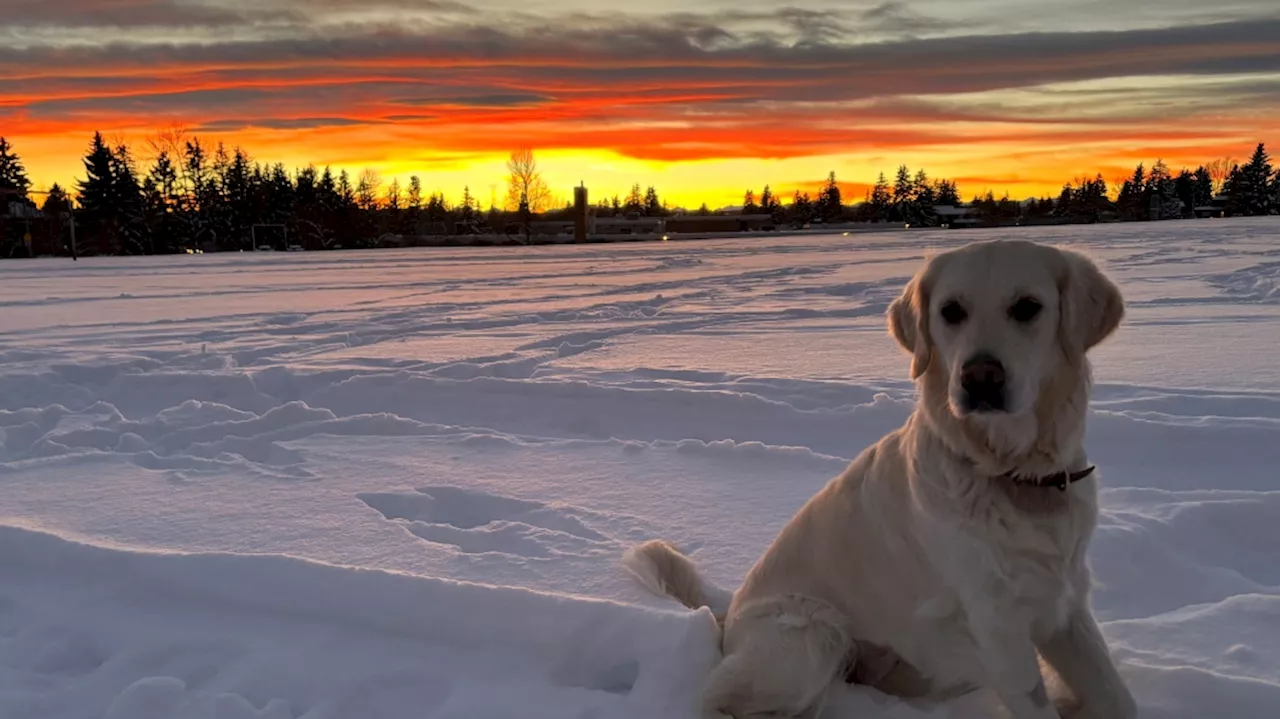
(702, 100)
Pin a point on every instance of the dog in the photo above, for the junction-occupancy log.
(950, 555)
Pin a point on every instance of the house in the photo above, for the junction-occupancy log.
(689, 224)
(1217, 207)
(956, 215)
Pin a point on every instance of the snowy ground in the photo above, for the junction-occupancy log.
(396, 484)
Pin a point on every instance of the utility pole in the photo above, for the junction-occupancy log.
(71, 210)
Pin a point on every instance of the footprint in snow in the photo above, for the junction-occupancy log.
(476, 522)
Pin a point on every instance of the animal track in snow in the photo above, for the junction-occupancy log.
(476, 522)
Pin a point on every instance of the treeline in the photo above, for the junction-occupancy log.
(1157, 194)
(911, 199)
(189, 195)
(1222, 186)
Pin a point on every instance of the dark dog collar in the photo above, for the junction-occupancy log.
(1059, 480)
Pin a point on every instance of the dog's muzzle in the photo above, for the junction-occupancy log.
(982, 379)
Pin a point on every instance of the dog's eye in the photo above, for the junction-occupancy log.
(1024, 310)
(953, 313)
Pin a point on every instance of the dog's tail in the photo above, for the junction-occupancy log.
(665, 571)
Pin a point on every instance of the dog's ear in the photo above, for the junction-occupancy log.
(1092, 306)
(908, 318)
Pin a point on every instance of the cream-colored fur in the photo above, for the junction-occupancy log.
(923, 569)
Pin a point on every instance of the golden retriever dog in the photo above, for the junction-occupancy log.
(950, 555)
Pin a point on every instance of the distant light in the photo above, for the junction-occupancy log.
(664, 238)
(907, 226)
(846, 234)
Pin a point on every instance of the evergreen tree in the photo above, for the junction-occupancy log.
(163, 203)
(924, 198)
(1066, 202)
(200, 194)
(801, 209)
(1253, 191)
(830, 205)
(14, 183)
(13, 188)
(881, 200)
(468, 210)
(923, 190)
(770, 205)
(749, 206)
(1161, 193)
(1202, 187)
(652, 205)
(1132, 199)
(97, 197)
(1184, 188)
(129, 210)
(945, 193)
(56, 201)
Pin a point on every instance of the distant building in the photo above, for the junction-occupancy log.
(961, 215)
(1217, 207)
(689, 224)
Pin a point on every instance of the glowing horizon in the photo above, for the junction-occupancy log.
(701, 105)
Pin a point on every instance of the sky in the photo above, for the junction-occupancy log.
(699, 99)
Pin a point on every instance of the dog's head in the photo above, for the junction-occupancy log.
(997, 320)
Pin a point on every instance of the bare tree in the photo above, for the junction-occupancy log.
(367, 189)
(1219, 170)
(171, 140)
(526, 188)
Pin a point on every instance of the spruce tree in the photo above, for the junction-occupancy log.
(801, 209)
(881, 200)
(749, 206)
(830, 206)
(770, 205)
(467, 211)
(1202, 187)
(14, 183)
(1254, 185)
(904, 209)
(652, 205)
(945, 193)
(163, 203)
(96, 192)
(130, 212)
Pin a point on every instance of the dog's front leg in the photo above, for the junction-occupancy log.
(1009, 658)
(1078, 653)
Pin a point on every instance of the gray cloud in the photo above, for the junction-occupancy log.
(301, 123)
(127, 13)
(476, 100)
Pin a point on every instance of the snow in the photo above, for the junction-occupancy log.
(398, 483)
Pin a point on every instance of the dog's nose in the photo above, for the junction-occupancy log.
(982, 379)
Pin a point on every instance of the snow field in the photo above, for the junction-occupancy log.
(396, 484)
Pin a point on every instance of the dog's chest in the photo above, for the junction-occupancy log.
(1033, 553)
(1023, 571)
